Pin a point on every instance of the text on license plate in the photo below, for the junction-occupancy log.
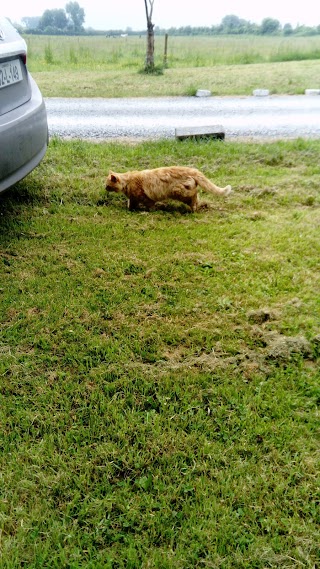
(10, 73)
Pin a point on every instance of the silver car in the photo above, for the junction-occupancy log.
(23, 117)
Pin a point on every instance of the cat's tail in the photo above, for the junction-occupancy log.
(211, 187)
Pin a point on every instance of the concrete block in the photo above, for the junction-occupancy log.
(312, 92)
(203, 93)
(199, 132)
(261, 92)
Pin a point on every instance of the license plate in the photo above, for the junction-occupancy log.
(10, 73)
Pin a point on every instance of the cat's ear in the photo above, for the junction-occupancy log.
(113, 177)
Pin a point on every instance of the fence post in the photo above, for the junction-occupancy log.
(165, 56)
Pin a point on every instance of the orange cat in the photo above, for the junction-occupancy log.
(150, 186)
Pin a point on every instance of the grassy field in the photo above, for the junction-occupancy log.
(160, 371)
(109, 67)
(125, 53)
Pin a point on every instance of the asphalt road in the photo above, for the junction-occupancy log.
(152, 118)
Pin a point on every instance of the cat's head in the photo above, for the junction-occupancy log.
(113, 182)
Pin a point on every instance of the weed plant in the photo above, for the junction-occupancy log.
(160, 370)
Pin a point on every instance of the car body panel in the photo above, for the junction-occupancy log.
(11, 43)
(23, 139)
(23, 117)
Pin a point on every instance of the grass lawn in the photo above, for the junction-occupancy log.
(160, 371)
(289, 78)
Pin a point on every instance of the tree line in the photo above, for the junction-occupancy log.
(232, 24)
(71, 20)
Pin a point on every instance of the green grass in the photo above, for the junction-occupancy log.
(109, 67)
(280, 78)
(96, 52)
(160, 371)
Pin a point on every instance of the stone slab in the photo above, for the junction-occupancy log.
(261, 93)
(213, 131)
(312, 92)
(203, 93)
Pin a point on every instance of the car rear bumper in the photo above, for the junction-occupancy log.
(28, 125)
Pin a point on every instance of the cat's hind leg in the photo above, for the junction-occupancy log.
(194, 202)
(189, 199)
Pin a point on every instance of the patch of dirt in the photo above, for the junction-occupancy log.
(278, 347)
(248, 362)
(272, 347)
(282, 348)
(263, 315)
(295, 302)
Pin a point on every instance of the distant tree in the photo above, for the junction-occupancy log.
(287, 29)
(232, 24)
(46, 19)
(53, 19)
(149, 64)
(187, 31)
(76, 15)
(305, 31)
(253, 28)
(270, 26)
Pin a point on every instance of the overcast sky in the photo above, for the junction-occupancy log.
(121, 14)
